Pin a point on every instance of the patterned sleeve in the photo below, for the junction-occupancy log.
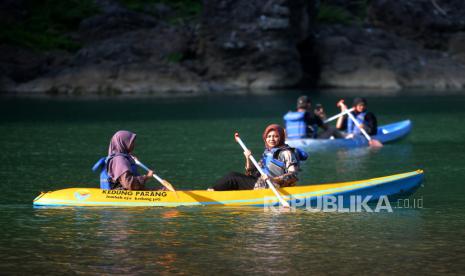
(253, 171)
(290, 177)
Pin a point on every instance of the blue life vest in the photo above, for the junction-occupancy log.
(296, 127)
(351, 127)
(275, 167)
(102, 164)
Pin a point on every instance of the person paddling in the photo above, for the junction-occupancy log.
(366, 119)
(304, 123)
(119, 169)
(328, 131)
(280, 163)
(320, 111)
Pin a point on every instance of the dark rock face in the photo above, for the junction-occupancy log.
(354, 57)
(430, 22)
(242, 44)
(11, 10)
(404, 44)
(456, 47)
(238, 44)
(123, 51)
(253, 43)
(113, 24)
(136, 60)
(20, 65)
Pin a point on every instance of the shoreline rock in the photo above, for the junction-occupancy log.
(373, 58)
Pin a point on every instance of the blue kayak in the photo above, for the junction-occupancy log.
(386, 133)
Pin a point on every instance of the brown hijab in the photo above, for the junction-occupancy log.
(121, 144)
(279, 130)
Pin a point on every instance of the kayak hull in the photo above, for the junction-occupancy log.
(391, 186)
(386, 134)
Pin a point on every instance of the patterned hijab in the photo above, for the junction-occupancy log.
(121, 145)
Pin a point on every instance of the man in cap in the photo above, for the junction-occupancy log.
(303, 123)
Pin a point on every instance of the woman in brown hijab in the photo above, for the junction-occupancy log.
(121, 166)
(279, 162)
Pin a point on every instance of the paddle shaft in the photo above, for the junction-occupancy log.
(338, 115)
(159, 179)
(163, 182)
(272, 187)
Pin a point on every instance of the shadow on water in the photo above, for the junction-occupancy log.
(145, 108)
(206, 106)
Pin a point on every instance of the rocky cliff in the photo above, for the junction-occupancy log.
(401, 44)
(240, 44)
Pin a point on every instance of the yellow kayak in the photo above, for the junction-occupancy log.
(394, 185)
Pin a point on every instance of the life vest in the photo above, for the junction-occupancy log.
(273, 166)
(351, 127)
(102, 165)
(296, 127)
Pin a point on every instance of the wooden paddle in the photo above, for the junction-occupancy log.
(272, 187)
(372, 142)
(159, 179)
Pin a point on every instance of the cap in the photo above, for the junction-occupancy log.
(359, 101)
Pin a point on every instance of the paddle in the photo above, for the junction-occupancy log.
(272, 187)
(338, 115)
(371, 142)
(159, 179)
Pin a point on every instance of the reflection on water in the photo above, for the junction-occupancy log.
(359, 163)
(365, 159)
(236, 240)
(353, 160)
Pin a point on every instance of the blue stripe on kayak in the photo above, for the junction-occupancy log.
(273, 200)
(361, 185)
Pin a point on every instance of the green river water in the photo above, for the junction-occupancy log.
(52, 143)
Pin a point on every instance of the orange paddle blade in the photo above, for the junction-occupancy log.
(375, 143)
(168, 185)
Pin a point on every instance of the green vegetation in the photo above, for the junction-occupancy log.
(362, 8)
(333, 14)
(46, 24)
(330, 14)
(183, 10)
(175, 57)
(20, 36)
